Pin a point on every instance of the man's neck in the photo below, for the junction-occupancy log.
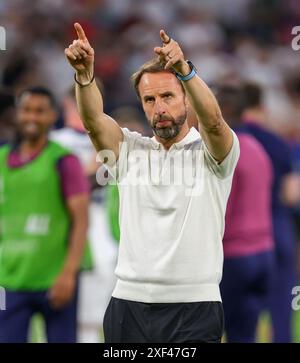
(168, 143)
(30, 147)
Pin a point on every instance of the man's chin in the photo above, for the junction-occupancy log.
(166, 133)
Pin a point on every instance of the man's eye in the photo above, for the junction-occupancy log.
(149, 100)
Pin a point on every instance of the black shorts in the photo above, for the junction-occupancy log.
(134, 322)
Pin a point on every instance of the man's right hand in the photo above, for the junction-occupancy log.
(80, 55)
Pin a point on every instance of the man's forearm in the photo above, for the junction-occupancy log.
(205, 104)
(78, 210)
(214, 130)
(64, 286)
(89, 101)
(103, 131)
(77, 241)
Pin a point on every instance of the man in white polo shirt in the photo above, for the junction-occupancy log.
(173, 193)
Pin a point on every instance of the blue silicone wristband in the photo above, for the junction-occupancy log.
(188, 76)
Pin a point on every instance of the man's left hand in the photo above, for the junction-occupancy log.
(171, 54)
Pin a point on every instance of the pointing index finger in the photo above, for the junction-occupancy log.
(164, 37)
(80, 32)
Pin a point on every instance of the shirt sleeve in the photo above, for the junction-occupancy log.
(73, 179)
(227, 166)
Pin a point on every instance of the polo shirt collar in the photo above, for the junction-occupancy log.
(190, 137)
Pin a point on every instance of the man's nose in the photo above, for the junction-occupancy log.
(159, 107)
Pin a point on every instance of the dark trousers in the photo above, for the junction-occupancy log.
(283, 280)
(21, 306)
(245, 288)
(134, 322)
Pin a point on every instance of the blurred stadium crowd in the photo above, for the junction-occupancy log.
(229, 41)
(232, 39)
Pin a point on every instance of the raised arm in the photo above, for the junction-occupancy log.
(104, 132)
(214, 130)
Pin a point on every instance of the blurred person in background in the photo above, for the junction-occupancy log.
(292, 135)
(43, 212)
(285, 193)
(7, 117)
(248, 238)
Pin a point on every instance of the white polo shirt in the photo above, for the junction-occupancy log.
(172, 212)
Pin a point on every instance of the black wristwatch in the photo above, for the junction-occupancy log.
(189, 76)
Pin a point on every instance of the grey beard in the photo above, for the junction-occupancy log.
(169, 133)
